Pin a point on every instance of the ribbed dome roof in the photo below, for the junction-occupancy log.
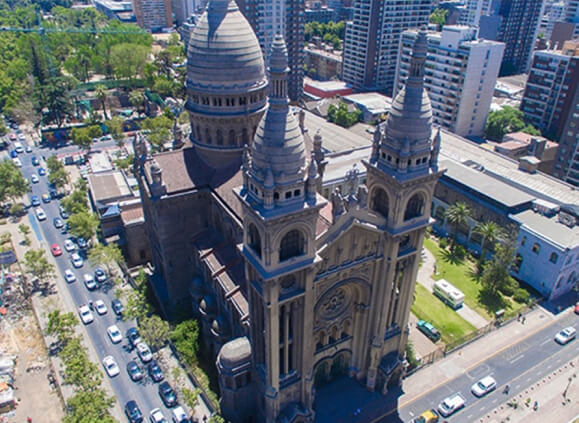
(278, 143)
(224, 53)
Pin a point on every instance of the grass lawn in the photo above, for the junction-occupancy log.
(459, 274)
(450, 325)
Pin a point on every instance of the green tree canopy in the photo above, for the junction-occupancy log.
(158, 130)
(37, 265)
(457, 216)
(61, 326)
(81, 138)
(83, 224)
(496, 274)
(12, 184)
(185, 337)
(438, 17)
(106, 255)
(505, 121)
(154, 331)
(341, 116)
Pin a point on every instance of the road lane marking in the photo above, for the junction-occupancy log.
(516, 359)
(545, 342)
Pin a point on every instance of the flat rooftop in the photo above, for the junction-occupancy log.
(334, 137)
(371, 101)
(549, 227)
(327, 85)
(109, 187)
(485, 184)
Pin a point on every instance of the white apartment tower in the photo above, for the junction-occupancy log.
(372, 38)
(460, 76)
(472, 13)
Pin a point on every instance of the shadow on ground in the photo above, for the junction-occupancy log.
(347, 401)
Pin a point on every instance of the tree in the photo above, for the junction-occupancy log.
(83, 224)
(89, 407)
(12, 184)
(37, 265)
(75, 202)
(61, 326)
(25, 231)
(505, 121)
(137, 307)
(438, 17)
(154, 331)
(457, 215)
(94, 131)
(159, 130)
(342, 116)
(136, 98)
(496, 275)
(128, 60)
(216, 418)
(115, 128)
(101, 95)
(3, 129)
(54, 97)
(81, 138)
(59, 178)
(191, 397)
(185, 337)
(490, 233)
(107, 255)
(53, 164)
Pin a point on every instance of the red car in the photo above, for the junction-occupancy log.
(577, 308)
(56, 251)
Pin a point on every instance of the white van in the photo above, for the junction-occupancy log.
(18, 147)
(448, 293)
(179, 415)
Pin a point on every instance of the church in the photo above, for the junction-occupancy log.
(291, 289)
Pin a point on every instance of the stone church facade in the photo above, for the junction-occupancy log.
(292, 290)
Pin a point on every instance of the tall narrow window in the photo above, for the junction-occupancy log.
(292, 245)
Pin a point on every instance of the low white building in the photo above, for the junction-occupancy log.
(460, 76)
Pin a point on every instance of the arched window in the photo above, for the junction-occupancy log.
(380, 202)
(254, 239)
(198, 133)
(231, 137)
(219, 137)
(414, 208)
(292, 245)
(244, 136)
(207, 136)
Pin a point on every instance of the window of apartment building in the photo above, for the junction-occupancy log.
(553, 258)
(523, 241)
(536, 248)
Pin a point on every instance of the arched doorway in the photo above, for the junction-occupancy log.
(332, 368)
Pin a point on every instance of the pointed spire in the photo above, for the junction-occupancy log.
(435, 149)
(418, 60)
(313, 168)
(278, 73)
(246, 160)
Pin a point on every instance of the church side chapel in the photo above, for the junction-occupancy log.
(292, 290)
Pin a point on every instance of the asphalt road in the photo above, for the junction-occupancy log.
(144, 392)
(520, 365)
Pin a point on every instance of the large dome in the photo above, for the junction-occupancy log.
(224, 53)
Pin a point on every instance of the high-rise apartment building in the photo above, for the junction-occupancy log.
(550, 103)
(372, 39)
(461, 72)
(572, 15)
(183, 9)
(471, 13)
(285, 17)
(556, 13)
(153, 15)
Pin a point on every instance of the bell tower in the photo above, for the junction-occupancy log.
(280, 211)
(402, 173)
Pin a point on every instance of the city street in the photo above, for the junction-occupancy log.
(144, 392)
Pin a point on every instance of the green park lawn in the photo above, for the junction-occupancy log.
(450, 325)
(459, 274)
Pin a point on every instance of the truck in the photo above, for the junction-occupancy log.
(448, 293)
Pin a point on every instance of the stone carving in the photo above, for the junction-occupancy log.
(362, 196)
(376, 144)
(337, 203)
(335, 304)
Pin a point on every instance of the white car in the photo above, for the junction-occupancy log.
(100, 307)
(77, 260)
(179, 415)
(111, 366)
(40, 215)
(69, 245)
(115, 334)
(451, 404)
(17, 162)
(566, 335)
(89, 281)
(484, 386)
(34, 179)
(144, 352)
(156, 416)
(85, 314)
(69, 276)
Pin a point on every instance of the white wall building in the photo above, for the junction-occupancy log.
(472, 13)
(372, 38)
(460, 76)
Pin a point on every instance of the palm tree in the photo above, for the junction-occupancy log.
(101, 94)
(136, 100)
(457, 216)
(490, 233)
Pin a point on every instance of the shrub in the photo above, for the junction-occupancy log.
(510, 287)
(459, 252)
(17, 209)
(521, 295)
(411, 355)
(185, 337)
(443, 243)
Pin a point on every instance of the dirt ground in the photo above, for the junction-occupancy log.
(36, 399)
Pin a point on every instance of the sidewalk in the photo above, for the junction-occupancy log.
(424, 277)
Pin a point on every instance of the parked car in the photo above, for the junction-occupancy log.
(46, 198)
(155, 371)
(56, 250)
(34, 201)
(179, 415)
(40, 215)
(144, 352)
(64, 229)
(117, 306)
(100, 275)
(34, 179)
(133, 337)
(100, 307)
(133, 412)
(57, 222)
(429, 416)
(134, 371)
(429, 330)
(28, 149)
(62, 212)
(35, 161)
(17, 162)
(77, 260)
(85, 314)
(89, 281)
(41, 171)
(69, 245)
(156, 416)
(566, 335)
(167, 394)
(81, 242)
(484, 386)
(451, 404)
(114, 334)
(69, 276)
(111, 366)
